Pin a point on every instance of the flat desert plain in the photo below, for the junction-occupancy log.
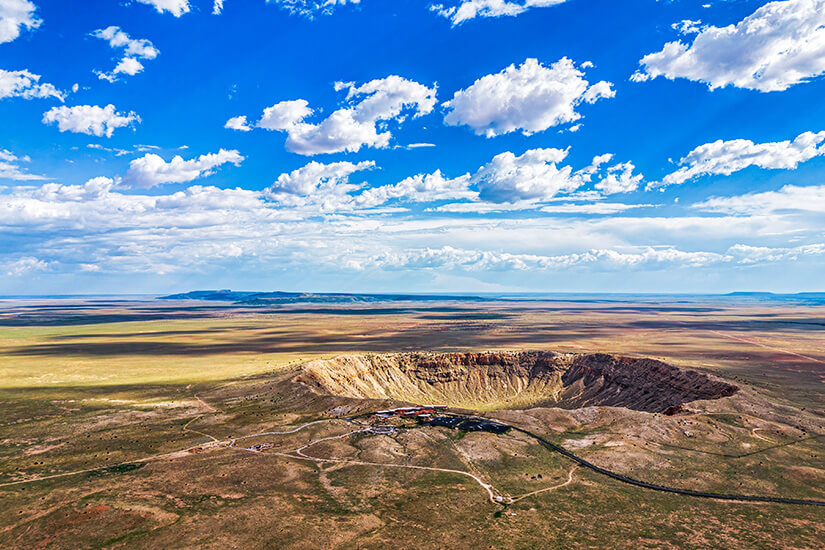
(144, 423)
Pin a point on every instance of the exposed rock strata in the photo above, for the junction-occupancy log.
(504, 380)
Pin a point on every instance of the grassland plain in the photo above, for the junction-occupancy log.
(125, 410)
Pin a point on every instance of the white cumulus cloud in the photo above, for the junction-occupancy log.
(26, 85)
(318, 178)
(534, 175)
(727, 157)
(150, 169)
(89, 191)
(175, 7)
(361, 123)
(459, 11)
(327, 187)
(310, 8)
(25, 265)
(419, 188)
(133, 49)
(537, 175)
(238, 123)
(620, 178)
(15, 15)
(127, 65)
(779, 45)
(530, 98)
(89, 119)
(284, 115)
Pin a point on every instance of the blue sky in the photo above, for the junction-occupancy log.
(400, 145)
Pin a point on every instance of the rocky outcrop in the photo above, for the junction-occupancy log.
(504, 380)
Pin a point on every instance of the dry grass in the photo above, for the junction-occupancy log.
(81, 389)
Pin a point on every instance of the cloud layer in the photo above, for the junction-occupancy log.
(10, 167)
(790, 198)
(200, 226)
(473, 260)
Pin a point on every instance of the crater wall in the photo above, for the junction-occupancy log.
(513, 380)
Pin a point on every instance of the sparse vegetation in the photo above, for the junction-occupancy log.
(106, 397)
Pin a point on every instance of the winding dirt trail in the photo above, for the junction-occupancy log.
(300, 450)
(553, 488)
(301, 455)
(215, 443)
(489, 488)
(494, 496)
(111, 466)
(186, 428)
(292, 431)
(756, 435)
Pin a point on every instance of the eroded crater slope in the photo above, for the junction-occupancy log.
(513, 380)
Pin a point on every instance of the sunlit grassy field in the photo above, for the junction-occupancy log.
(158, 351)
(132, 353)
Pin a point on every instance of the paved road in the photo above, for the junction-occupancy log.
(654, 486)
(663, 488)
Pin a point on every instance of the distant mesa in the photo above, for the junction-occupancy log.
(279, 297)
(799, 298)
(514, 380)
